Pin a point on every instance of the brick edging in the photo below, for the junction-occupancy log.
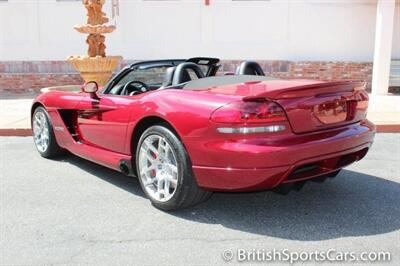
(24, 132)
(388, 128)
(15, 132)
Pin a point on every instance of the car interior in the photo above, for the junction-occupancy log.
(178, 74)
(249, 68)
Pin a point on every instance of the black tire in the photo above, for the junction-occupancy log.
(53, 149)
(187, 193)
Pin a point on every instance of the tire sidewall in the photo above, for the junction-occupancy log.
(183, 163)
(53, 148)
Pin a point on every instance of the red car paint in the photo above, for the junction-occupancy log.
(325, 127)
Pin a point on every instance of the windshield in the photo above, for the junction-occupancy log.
(151, 76)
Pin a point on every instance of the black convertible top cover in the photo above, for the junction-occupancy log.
(205, 83)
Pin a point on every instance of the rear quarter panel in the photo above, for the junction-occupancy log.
(187, 111)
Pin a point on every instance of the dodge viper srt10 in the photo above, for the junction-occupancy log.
(185, 131)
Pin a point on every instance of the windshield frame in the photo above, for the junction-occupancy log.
(139, 65)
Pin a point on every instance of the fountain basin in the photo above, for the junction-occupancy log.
(97, 69)
(94, 29)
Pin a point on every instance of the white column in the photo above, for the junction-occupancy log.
(383, 46)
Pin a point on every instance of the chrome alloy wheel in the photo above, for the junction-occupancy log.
(158, 168)
(41, 131)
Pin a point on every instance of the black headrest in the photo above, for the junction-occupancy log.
(250, 68)
(169, 75)
(181, 73)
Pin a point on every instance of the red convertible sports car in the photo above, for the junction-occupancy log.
(185, 131)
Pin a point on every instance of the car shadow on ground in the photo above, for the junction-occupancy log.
(352, 204)
(130, 184)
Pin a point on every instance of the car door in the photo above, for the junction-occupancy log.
(103, 120)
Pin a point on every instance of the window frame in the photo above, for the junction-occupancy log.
(140, 65)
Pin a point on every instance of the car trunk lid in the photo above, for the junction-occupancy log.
(309, 105)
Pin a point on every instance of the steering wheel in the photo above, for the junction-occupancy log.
(138, 87)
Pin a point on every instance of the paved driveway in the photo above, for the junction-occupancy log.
(71, 211)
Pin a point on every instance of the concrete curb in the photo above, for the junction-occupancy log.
(24, 132)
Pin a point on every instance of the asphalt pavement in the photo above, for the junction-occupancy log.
(71, 211)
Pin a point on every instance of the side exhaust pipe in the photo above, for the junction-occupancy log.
(125, 167)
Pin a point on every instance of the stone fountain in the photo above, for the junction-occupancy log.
(96, 66)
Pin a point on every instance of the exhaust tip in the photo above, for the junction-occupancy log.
(126, 168)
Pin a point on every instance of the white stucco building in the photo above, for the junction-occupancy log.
(358, 31)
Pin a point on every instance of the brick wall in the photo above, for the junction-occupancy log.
(32, 83)
(18, 78)
(28, 77)
(324, 70)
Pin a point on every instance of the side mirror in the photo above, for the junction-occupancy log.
(90, 87)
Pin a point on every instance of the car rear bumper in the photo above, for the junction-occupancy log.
(258, 164)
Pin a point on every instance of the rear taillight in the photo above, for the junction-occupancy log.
(263, 112)
(357, 108)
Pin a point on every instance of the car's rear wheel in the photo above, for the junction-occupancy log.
(43, 134)
(165, 171)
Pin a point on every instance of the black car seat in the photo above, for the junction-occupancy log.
(250, 68)
(181, 74)
(168, 76)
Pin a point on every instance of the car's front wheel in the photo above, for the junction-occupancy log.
(43, 134)
(165, 171)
